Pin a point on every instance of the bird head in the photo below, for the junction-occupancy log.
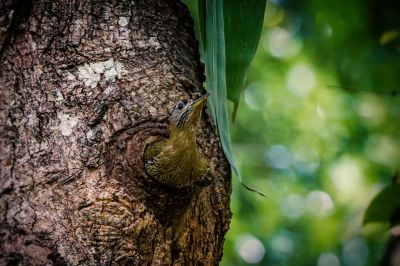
(187, 113)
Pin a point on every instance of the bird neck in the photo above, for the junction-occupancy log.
(184, 138)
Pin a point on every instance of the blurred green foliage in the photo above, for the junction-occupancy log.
(320, 153)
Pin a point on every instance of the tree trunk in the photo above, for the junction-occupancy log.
(83, 85)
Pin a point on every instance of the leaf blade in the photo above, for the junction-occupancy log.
(216, 79)
(243, 27)
(383, 206)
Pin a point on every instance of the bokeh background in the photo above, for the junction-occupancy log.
(318, 131)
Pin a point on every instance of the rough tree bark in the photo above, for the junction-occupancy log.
(83, 84)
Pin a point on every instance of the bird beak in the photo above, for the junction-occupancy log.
(199, 103)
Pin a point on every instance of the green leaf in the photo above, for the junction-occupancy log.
(395, 217)
(384, 207)
(216, 82)
(243, 25)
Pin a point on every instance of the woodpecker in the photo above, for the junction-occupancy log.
(176, 161)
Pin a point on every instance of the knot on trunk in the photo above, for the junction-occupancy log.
(125, 161)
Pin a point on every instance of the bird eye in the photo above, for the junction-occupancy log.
(180, 105)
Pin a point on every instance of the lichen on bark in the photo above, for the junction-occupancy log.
(84, 83)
